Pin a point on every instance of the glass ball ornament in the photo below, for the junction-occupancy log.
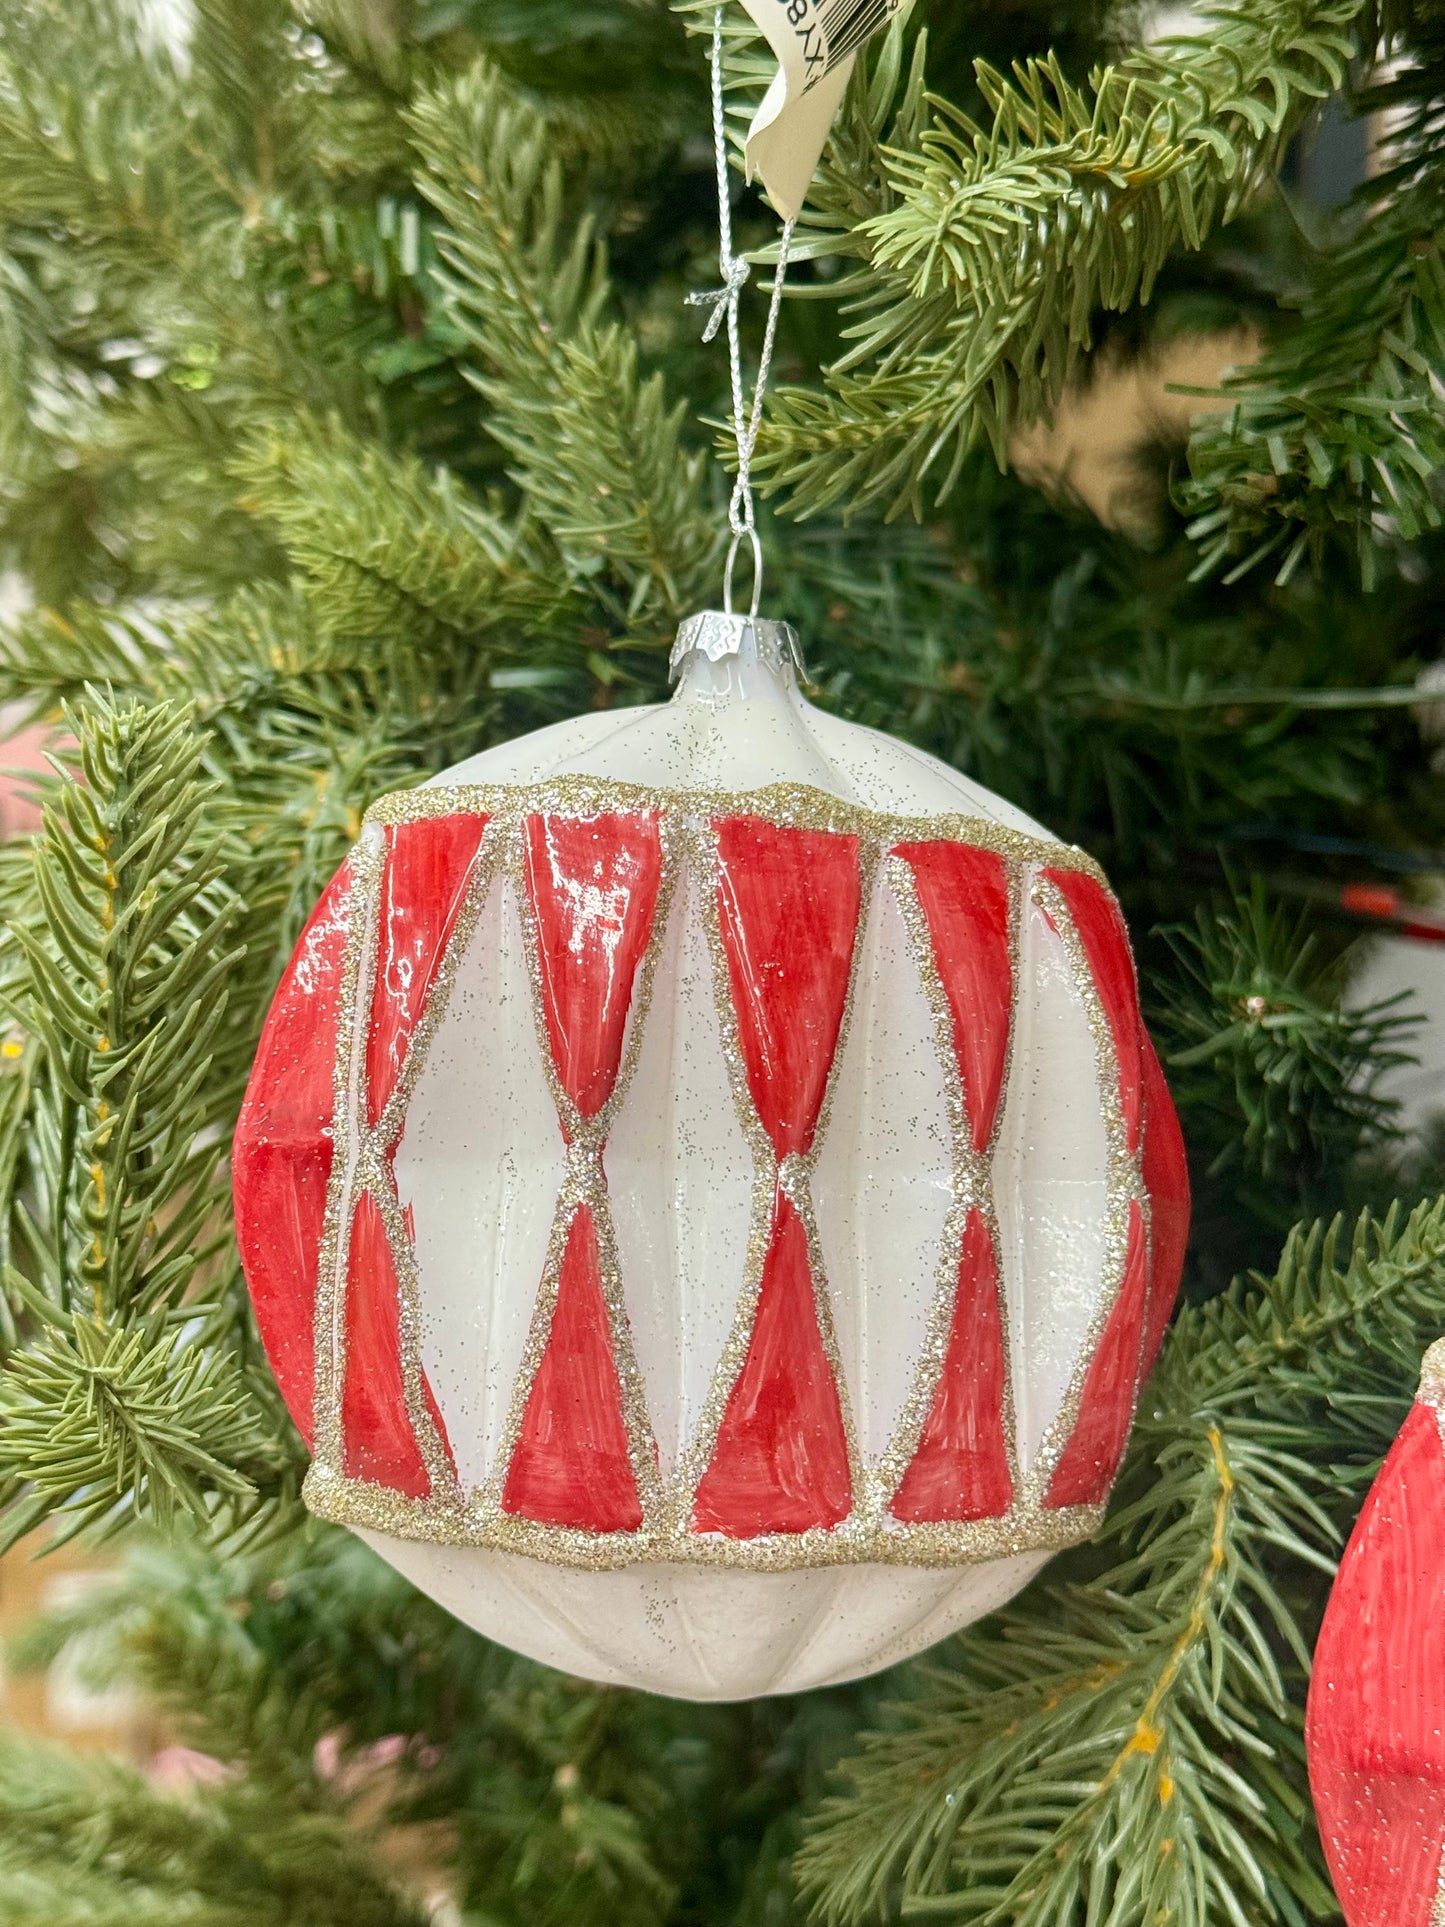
(707, 1193)
(1375, 1720)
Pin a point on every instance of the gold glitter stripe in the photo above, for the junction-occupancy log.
(857, 1541)
(797, 804)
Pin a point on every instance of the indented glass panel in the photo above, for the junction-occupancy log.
(883, 1183)
(1050, 1171)
(680, 1179)
(481, 1164)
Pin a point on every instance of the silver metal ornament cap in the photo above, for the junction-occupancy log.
(717, 634)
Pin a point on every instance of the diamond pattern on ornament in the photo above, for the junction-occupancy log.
(592, 886)
(842, 1344)
(788, 903)
(681, 1181)
(883, 1184)
(1053, 1185)
(961, 1468)
(1095, 1447)
(281, 1165)
(480, 1164)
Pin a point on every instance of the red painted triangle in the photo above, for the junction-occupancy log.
(592, 882)
(964, 896)
(428, 866)
(378, 1442)
(781, 1459)
(960, 1470)
(281, 1160)
(1101, 931)
(571, 1465)
(1085, 1473)
(788, 903)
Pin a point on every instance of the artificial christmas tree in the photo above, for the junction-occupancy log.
(335, 449)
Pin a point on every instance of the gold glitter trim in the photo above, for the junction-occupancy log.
(361, 1163)
(353, 1502)
(330, 1330)
(797, 804)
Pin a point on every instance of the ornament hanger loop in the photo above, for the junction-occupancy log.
(752, 535)
(724, 304)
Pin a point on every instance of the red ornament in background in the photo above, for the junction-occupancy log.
(1375, 1727)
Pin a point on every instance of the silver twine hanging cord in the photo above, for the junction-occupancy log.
(724, 302)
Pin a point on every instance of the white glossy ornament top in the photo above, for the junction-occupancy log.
(739, 721)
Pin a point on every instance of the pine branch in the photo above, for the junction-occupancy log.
(102, 172)
(1261, 1022)
(85, 1842)
(596, 448)
(1129, 1747)
(384, 545)
(1337, 434)
(257, 1660)
(134, 920)
(611, 478)
(120, 1399)
(986, 251)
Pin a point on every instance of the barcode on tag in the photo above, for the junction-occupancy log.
(847, 24)
(816, 42)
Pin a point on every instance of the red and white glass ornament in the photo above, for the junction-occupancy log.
(1375, 1724)
(707, 1193)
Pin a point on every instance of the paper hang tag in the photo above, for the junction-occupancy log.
(816, 42)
